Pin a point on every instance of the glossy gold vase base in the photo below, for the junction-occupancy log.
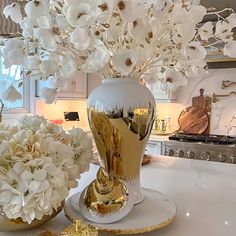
(8, 225)
(155, 212)
(106, 199)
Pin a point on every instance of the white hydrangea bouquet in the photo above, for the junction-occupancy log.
(39, 163)
(142, 39)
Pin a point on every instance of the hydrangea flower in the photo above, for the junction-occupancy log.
(39, 163)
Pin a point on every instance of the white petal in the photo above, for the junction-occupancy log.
(16, 57)
(46, 38)
(96, 60)
(79, 14)
(175, 79)
(33, 62)
(197, 13)
(14, 12)
(69, 69)
(44, 22)
(187, 31)
(11, 94)
(80, 38)
(124, 61)
(206, 31)
(49, 95)
(194, 51)
(48, 67)
(230, 49)
(61, 21)
(130, 10)
(34, 9)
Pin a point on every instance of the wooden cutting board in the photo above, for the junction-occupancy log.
(195, 119)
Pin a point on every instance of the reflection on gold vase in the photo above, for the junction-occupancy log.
(16, 225)
(121, 114)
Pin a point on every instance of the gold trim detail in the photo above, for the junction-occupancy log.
(133, 231)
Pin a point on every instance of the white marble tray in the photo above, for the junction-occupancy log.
(155, 212)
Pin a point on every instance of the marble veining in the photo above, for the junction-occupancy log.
(204, 192)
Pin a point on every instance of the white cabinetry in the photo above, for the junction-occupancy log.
(154, 148)
(77, 88)
(161, 96)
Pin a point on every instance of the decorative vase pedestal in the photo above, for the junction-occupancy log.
(121, 113)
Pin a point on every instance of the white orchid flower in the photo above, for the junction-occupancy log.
(47, 37)
(33, 62)
(124, 61)
(11, 94)
(130, 10)
(14, 57)
(144, 32)
(162, 8)
(206, 31)
(103, 9)
(232, 19)
(175, 79)
(80, 38)
(223, 31)
(35, 8)
(194, 51)
(186, 30)
(199, 68)
(68, 69)
(61, 21)
(151, 76)
(180, 14)
(97, 59)
(14, 12)
(197, 12)
(78, 14)
(230, 49)
(27, 25)
(48, 67)
(49, 95)
(13, 52)
(45, 22)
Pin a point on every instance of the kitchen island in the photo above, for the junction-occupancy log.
(204, 192)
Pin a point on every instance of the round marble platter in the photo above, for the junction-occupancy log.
(155, 212)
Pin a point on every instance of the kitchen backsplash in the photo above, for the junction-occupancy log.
(225, 108)
(222, 111)
(56, 111)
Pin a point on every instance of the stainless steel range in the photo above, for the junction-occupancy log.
(210, 147)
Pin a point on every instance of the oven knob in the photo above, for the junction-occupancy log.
(206, 156)
(190, 154)
(233, 159)
(222, 158)
(170, 152)
(179, 153)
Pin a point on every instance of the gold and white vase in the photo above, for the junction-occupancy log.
(121, 114)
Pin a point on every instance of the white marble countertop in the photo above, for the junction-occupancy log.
(160, 138)
(204, 192)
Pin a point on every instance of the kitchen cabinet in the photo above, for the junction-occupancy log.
(76, 89)
(161, 96)
(154, 148)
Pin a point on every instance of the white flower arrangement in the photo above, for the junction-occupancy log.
(39, 163)
(142, 39)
